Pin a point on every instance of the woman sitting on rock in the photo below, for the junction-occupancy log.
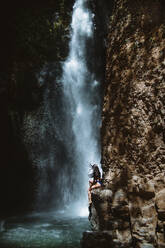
(95, 182)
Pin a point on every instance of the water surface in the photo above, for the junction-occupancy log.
(55, 230)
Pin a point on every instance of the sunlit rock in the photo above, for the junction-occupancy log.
(133, 133)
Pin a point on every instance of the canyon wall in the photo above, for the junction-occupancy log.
(34, 41)
(129, 210)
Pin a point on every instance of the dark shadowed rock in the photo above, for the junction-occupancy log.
(97, 239)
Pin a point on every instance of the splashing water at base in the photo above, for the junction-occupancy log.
(43, 230)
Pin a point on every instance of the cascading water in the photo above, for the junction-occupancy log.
(62, 138)
(82, 107)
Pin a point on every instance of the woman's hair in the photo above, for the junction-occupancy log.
(96, 172)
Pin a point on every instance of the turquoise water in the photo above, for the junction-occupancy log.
(55, 230)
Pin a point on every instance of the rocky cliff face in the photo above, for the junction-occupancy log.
(130, 210)
(34, 41)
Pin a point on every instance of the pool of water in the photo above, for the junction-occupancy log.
(44, 230)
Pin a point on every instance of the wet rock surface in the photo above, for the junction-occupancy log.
(131, 206)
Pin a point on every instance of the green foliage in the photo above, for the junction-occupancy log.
(41, 37)
(42, 34)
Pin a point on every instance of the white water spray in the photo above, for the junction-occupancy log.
(80, 102)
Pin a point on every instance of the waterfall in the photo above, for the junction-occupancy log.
(81, 105)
